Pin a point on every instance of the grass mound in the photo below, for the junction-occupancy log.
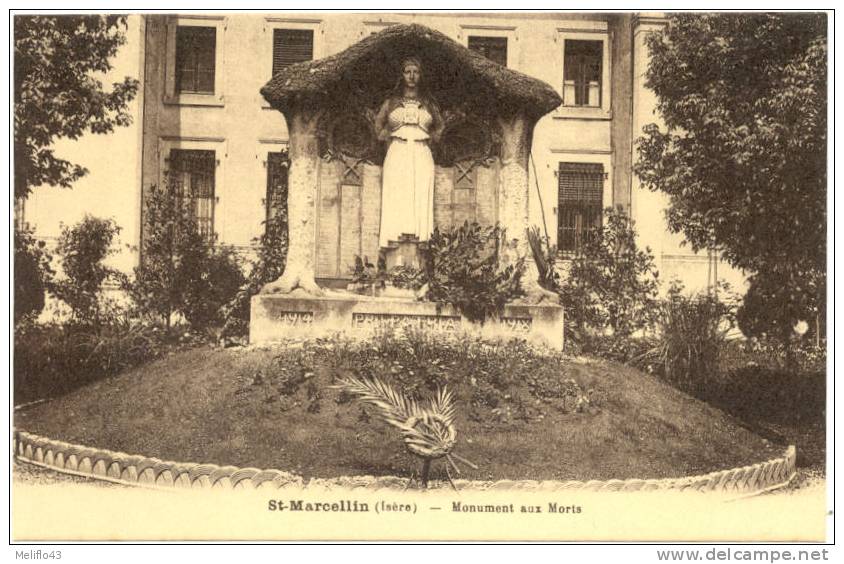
(521, 414)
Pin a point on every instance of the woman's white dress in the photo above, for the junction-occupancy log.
(407, 183)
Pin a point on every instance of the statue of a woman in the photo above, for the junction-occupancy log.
(410, 122)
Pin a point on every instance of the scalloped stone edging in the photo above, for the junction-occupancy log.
(137, 470)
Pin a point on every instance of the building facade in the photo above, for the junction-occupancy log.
(203, 127)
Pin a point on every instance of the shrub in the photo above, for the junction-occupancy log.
(611, 282)
(181, 270)
(463, 268)
(82, 250)
(692, 331)
(774, 394)
(777, 301)
(156, 286)
(211, 277)
(635, 351)
(500, 382)
(32, 274)
(272, 249)
(268, 266)
(803, 357)
(406, 277)
(53, 358)
(366, 277)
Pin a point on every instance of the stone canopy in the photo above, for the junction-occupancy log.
(458, 78)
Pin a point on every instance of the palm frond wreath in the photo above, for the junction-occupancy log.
(427, 429)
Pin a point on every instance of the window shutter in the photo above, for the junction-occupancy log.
(291, 46)
(581, 199)
(581, 182)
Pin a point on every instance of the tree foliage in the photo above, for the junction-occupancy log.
(743, 151)
(82, 250)
(272, 250)
(32, 274)
(778, 299)
(58, 93)
(209, 277)
(267, 266)
(155, 287)
(181, 270)
(611, 283)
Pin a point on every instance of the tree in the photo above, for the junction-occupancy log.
(743, 152)
(32, 274)
(57, 92)
(155, 288)
(82, 250)
(208, 278)
(181, 269)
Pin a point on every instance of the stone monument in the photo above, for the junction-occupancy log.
(473, 118)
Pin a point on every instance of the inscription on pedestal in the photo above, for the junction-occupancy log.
(276, 318)
(398, 321)
(517, 324)
(293, 318)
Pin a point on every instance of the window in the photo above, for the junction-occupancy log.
(493, 48)
(278, 164)
(582, 72)
(581, 192)
(194, 65)
(292, 46)
(192, 179)
(196, 49)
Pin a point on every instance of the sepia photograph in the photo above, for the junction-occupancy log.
(421, 276)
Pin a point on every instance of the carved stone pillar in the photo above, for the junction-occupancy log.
(513, 183)
(516, 137)
(301, 209)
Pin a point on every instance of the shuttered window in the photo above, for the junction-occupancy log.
(278, 165)
(291, 46)
(192, 176)
(581, 194)
(195, 59)
(582, 69)
(493, 48)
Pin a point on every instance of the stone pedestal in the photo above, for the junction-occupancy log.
(404, 252)
(275, 317)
